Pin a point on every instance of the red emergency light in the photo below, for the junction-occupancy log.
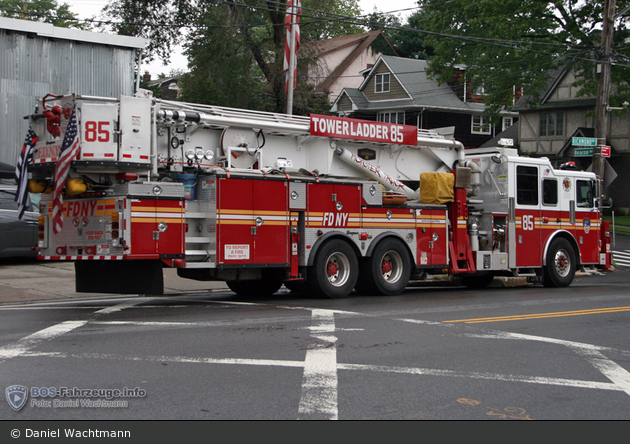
(126, 177)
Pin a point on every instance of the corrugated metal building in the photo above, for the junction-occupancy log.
(38, 58)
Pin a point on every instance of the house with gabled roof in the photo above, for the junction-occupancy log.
(560, 113)
(400, 90)
(548, 125)
(339, 61)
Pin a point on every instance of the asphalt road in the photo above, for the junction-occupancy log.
(430, 353)
(28, 280)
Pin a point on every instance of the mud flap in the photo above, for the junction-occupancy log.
(119, 277)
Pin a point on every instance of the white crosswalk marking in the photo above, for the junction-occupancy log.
(622, 258)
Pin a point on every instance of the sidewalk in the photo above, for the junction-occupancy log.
(31, 280)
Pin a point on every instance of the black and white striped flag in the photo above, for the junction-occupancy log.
(21, 172)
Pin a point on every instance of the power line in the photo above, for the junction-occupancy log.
(361, 20)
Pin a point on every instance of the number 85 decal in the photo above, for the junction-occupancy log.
(528, 222)
(96, 131)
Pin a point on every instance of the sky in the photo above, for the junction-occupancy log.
(89, 8)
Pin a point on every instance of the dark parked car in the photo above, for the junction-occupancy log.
(18, 237)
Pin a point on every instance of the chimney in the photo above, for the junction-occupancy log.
(147, 76)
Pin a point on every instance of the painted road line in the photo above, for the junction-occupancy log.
(28, 342)
(25, 344)
(613, 371)
(412, 371)
(541, 315)
(319, 383)
(622, 258)
(118, 307)
(619, 376)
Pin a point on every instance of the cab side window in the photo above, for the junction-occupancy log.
(550, 191)
(584, 190)
(526, 185)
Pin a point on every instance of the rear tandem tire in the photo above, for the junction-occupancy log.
(387, 271)
(335, 270)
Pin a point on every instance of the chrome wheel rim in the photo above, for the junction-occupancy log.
(337, 269)
(562, 263)
(391, 266)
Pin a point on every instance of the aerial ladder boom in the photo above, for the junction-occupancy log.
(288, 141)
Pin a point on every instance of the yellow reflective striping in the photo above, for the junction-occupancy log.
(153, 219)
(384, 216)
(541, 315)
(392, 224)
(251, 222)
(252, 212)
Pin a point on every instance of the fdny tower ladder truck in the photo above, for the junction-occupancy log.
(320, 204)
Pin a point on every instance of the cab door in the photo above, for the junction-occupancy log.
(587, 221)
(551, 213)
(527, 216)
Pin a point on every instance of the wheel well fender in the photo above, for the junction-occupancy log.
(384, 236)
(325, 238)
(565, 235)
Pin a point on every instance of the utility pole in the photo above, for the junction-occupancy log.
(291, 62)
(603, 87)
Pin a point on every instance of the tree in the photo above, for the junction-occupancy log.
(223, 71)
(235, 47)
(406, 42)
(388, 24)
(517, 43)
(47, 11)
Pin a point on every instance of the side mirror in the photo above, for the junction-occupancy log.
(604, 203)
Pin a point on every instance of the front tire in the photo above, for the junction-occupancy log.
(561, 264)
(335, 270)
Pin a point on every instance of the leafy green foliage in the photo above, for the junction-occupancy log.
(235, 48)
(405, 41)
(505, 44)
(47, 11)
(222, 68)
(160, 21)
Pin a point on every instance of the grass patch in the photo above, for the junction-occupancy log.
(622, 223)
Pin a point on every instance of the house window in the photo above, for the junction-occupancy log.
(506, 123)
(479, 91)
(480, 125)
(381, 83)
(551, 124)
(391, 117)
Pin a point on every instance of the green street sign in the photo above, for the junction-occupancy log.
(582, 152)
(583, 141)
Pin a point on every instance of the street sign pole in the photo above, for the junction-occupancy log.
(603, 87)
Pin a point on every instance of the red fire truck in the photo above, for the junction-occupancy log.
(321, 204)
